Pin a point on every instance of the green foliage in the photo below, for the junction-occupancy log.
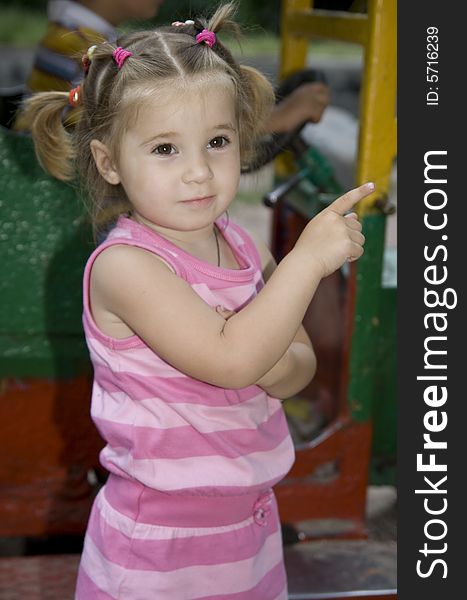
(23, 22)
(21, 26)
(264, 14)
(38, 5)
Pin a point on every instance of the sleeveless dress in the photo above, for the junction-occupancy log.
(187, 511)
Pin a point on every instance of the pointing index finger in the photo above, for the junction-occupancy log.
(346, 202)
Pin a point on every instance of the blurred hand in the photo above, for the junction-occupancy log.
(305, 103)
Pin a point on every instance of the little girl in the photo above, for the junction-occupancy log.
(191, 348)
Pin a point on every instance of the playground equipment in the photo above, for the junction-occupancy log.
(351, 320)
(49, 444)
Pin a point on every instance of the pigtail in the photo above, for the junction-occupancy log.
(43, 116)
(258, 101)
(261, 95)
(223, 20)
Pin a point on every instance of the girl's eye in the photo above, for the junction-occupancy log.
(164, 149)
(219, 142)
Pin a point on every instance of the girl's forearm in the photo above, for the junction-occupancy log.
(261, 333)
(293, 372)
(254, 339)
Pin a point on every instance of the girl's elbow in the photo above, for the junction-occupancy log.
(313, 365)
(236, 375)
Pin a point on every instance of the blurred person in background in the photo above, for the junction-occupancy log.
(73, 27)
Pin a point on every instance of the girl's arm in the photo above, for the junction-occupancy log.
(293, 371)
(132, 286)
(297, 367)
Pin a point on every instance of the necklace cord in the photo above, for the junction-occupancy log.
(217, 246)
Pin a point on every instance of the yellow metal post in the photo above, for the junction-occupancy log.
(293, 47)
(377, 140)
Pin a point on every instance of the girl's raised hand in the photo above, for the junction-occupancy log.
(334, 236)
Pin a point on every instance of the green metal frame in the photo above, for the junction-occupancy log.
(44, 244)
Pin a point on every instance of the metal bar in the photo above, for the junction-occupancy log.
(293, 48)
(272, 198)
(336, 25)
(377, 146)
(366, 320)
(377, 140)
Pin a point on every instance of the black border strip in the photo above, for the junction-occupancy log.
(438, 128)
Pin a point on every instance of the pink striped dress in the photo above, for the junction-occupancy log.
(187, 511)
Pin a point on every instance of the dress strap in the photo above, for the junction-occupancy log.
(244, 238)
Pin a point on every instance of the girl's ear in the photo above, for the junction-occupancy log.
(104, 162)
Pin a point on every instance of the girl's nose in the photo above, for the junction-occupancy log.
(197, 170)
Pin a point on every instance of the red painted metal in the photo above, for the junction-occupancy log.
(48, 445)
(38, 577)
(345, 445)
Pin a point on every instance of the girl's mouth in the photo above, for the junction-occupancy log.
(202, 201)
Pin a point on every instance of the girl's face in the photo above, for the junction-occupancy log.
(180, 162)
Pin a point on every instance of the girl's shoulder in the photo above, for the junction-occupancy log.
(117, 275)
(127, 241)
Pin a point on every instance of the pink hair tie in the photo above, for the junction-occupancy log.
(209, 37)
(120, 55)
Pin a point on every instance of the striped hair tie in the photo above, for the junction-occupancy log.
(206, 36)
(120, 55)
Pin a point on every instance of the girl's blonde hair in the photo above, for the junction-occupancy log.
(111, 97)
